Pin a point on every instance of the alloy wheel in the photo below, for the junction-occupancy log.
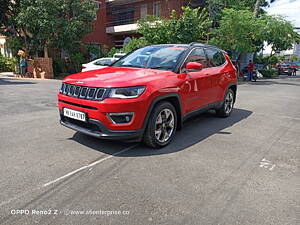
(164, 125)
(228, 102)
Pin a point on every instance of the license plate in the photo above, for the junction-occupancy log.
(74, 114)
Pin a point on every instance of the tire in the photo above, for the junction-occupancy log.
(160, 129)
(224, 111)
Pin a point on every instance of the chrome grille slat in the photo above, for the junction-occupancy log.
(83, 92)
(100, 93)
(89, 93)
(77, 91)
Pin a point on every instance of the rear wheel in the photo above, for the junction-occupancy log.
(161, 126)
(227, 105)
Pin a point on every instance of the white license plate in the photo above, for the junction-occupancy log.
(74, 114)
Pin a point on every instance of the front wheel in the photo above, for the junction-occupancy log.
(227, 105)
(161, 126)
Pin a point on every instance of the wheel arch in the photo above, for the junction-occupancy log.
(233, 87)
(174, 99)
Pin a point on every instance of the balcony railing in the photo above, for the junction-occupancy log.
(121, 2)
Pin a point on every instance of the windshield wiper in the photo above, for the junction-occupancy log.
(136, 66)
(161, 67)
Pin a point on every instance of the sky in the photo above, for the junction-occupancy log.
(290, 9)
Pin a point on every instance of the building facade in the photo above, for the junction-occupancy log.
(116, 20)
(296, 49)
(4, 49)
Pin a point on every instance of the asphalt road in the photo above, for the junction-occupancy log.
(239, 170)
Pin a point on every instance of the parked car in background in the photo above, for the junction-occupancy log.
(119, 55)
(295, 65)
(285, 69)
(146, 95)
(98, 64)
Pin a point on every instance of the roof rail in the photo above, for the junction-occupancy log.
(196, 44)
(205, 45)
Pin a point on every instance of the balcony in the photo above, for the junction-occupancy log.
(122, 29)
(121, 2)
(122, 20)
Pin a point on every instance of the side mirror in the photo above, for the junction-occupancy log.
(191, 66)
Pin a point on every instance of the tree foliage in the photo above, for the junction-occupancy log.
(278, 33)
(240, 31)
(48, 23)
(193, 25)
(135, 43)
(216, 6)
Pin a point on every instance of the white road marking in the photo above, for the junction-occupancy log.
(266, 164)
(88, 166)
(66, 175)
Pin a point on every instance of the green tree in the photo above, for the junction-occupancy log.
(216, 6)
(193, 25)
(50, 23)
(294, 58)
(278, 33)
(134, 44)
(281, 58)
(239, 31)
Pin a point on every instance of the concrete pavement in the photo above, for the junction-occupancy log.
(238, 170)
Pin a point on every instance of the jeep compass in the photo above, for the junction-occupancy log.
(147, 94)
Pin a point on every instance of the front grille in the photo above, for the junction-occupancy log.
(78, 105)
(90, 93)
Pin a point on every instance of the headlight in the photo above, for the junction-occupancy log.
(128, 92)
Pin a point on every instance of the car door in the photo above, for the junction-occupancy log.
(217, 72)
(198, 82)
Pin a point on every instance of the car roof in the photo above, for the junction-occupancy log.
(191, 45)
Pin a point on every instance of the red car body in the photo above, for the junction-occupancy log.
(284, 69)
(188, 92)
(295, 65)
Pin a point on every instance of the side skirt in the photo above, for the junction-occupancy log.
(214, 105)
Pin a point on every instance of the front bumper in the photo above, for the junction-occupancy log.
(97, 129)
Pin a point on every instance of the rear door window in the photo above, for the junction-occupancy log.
(215, 57)
(197, 55)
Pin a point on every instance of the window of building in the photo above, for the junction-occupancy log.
(97, 7)
(144, 11)
(123, 16)
(156, 8)
(215, 57)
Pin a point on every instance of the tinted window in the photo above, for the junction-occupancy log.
(197, 55)
(164, 57)
(215, 57)
(103, 62)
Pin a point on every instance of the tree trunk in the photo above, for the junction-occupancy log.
(257, 8)
(46, 52)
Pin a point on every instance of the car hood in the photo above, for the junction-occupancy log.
(116, 77)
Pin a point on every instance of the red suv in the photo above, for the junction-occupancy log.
(147, 94)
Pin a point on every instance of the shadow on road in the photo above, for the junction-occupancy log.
(4, 81)
(194, 131)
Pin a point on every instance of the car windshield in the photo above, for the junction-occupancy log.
(103, 62)
(153, 57)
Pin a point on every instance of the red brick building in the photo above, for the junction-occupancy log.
(117, 19)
